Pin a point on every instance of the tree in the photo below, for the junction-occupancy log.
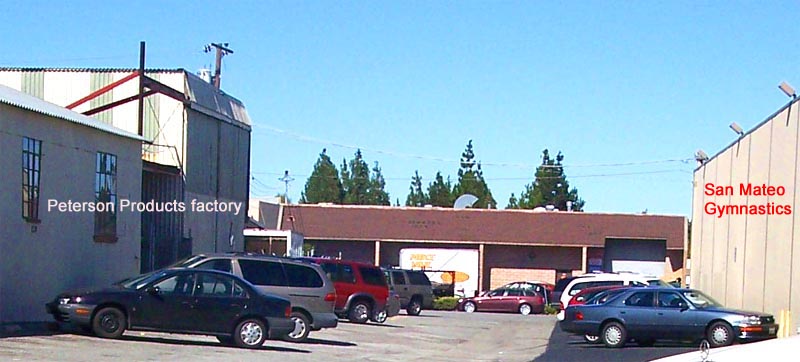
(440, 192)
(376, 194)
(470, 181)
(361, 188)
(550, 187)
(416, 196)
(324, 184)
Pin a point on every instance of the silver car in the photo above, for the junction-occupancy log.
(412, 287)
(310, 291)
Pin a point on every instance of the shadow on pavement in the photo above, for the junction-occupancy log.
(328, 342)
(32, 329)
(372, 324)
(183, 342)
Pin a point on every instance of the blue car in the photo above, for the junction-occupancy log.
(650, 314)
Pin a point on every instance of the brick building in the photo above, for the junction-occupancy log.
(512, 244)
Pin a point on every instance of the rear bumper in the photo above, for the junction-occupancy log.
(324, 320)
(279, 327)
(581, 327)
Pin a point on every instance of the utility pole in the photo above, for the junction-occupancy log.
(286, 180)
(140, 119)
(222, 50)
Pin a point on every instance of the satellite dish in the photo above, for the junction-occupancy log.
(465, 201)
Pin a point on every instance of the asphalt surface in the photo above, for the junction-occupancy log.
(563, 347)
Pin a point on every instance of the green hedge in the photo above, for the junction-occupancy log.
(445, 303)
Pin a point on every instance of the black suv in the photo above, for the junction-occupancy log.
(305, 284)
(413, 287)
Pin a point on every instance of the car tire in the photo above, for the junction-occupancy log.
(591, 339)
(225, 340)
(614, 335)
(359, 312)
(380, 317)
(525, 309)
(469, 307)
(109, 322)
(720, 334)
(302, 327)
(250, 333)
(414, 307)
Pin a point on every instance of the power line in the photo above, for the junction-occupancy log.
(451, 160)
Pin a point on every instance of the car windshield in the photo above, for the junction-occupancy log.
(604, 296)
(187, 261)
(700, 300)
(142, 280)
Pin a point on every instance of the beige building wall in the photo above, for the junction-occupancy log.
(751, 261)
(40, 260)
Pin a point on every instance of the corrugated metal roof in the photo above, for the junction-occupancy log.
(205, 94)
(93, 70)
(22, 100)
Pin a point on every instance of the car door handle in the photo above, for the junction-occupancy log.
(621, 312)
(659, 313)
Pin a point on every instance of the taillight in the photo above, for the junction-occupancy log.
(288, 311)
(578, 316)
(330, 297)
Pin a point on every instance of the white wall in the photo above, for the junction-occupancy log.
(40, 260)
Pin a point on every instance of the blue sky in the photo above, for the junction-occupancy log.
(606, 82)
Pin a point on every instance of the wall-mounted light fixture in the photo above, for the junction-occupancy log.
(737, 128)
(701, 156)
(788, 90)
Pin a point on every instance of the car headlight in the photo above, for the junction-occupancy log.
(753, 320)
(460, 300)
(70, 300)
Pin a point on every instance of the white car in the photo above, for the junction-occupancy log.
(779, 349)
(595, 280)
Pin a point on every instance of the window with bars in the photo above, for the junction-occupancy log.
(31, 171)
(105, 190)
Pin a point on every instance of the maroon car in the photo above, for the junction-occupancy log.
(523, 301)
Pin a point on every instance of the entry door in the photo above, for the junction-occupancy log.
(214, 304)
(640, 314)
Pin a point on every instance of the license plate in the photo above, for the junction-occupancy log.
(771, 330)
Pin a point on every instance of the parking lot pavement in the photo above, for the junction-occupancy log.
(563, 347)
(432, 336)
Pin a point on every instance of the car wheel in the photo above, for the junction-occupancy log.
(226, 340)
(359, 312)
(469, 307)
(614, 335)
(380, 317)
(591, 339)
(109, 322)
(301, 328)
(414, 307)
(250, 333)
(720, 334)
(525, 309)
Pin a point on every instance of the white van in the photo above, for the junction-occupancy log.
(595, 280)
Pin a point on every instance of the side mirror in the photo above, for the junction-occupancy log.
(153, 290)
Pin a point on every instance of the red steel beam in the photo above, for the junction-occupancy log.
(117, 103)
(100, 91)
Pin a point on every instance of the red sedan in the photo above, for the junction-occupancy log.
(523, 301)
(588, 293)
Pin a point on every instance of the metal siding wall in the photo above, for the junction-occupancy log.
(779, 227)
(151, 125)
(33, 83)
(737, 227)
(63, 88)
(699, 218)
(720, 253)
(99, 80)
(706, 257)
(756, 224)
(12, 79)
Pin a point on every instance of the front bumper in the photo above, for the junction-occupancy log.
(757, 332)
(324, 320)
(279, 327)
(80, 314)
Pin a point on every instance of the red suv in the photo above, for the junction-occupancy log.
(361, 290)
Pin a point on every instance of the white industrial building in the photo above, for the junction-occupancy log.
(745, 221)
(51, 154)
(197, 147)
